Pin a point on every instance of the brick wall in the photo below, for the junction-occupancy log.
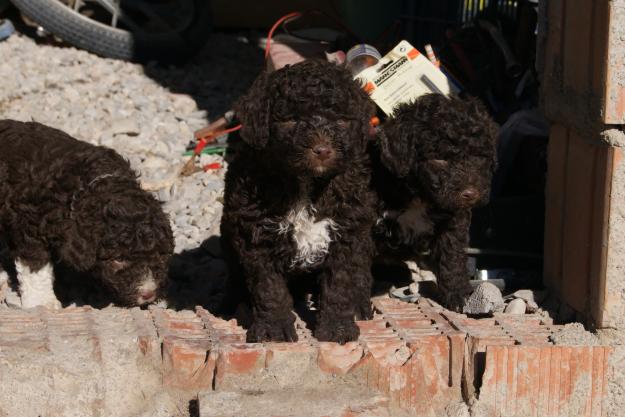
(420, 357)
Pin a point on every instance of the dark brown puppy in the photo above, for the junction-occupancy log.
(298, 201)
(437, 156)
(68, 202)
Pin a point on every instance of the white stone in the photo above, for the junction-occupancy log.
(516, 306)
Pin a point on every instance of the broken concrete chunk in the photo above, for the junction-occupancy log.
(516, 306)
(574, 334)
(532, 307)
(529, 295)
(531, 298)
(426, 275)
(404, 294)
(485, 299)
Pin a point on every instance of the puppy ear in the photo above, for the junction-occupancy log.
(77, 251)
(484, 126)
(397, 150)
(253, 110)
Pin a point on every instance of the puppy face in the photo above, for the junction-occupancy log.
(454, 185)
(136, 281)
(123, 240)
(312, 118)
(314, 146)
(443, 149)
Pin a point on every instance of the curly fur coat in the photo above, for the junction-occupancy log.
(435, 162)
(68, 202)
(298, 200)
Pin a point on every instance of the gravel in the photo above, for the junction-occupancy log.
(146, 113)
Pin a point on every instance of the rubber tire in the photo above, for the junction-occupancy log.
(110, 42)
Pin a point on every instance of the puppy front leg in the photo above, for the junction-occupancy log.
(272, 318)
(345, 289)
(36, 284)
(450, 260)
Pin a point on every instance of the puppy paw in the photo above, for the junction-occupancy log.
(455, 301)
(340, 331)
(364, 311)
(52, 304)
(272, 331)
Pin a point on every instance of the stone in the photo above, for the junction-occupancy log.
(516, 306)
(531, 298)
(339, 359)
(485, 299)
(529, 295)
(125, 126)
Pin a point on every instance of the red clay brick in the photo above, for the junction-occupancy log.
(521, 381)
(147, 338)
(372, 325)
(237, 363)
(389, 352)
(242, 358)
(179, 324)
(413, 353)
(221, 330)
(188, 364)
(278, 351)
(288, 362)
(339, 359)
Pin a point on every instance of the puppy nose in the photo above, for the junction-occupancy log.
(470, 195)
(322, 151)
(147, 296)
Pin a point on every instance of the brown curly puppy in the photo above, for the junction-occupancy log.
(298, 199)
(437, 157)
(80, 206)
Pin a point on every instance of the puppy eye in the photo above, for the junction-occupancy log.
(117, 265)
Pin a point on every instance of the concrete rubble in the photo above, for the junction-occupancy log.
(411, 358)
(485, 299)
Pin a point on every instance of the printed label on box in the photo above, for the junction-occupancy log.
(401, 76)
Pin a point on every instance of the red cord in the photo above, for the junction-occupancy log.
(214, 165)
(275, 26)
(209, 138)
(294, 15)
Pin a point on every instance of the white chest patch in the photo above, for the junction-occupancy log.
(312, 237)
(36, 287)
